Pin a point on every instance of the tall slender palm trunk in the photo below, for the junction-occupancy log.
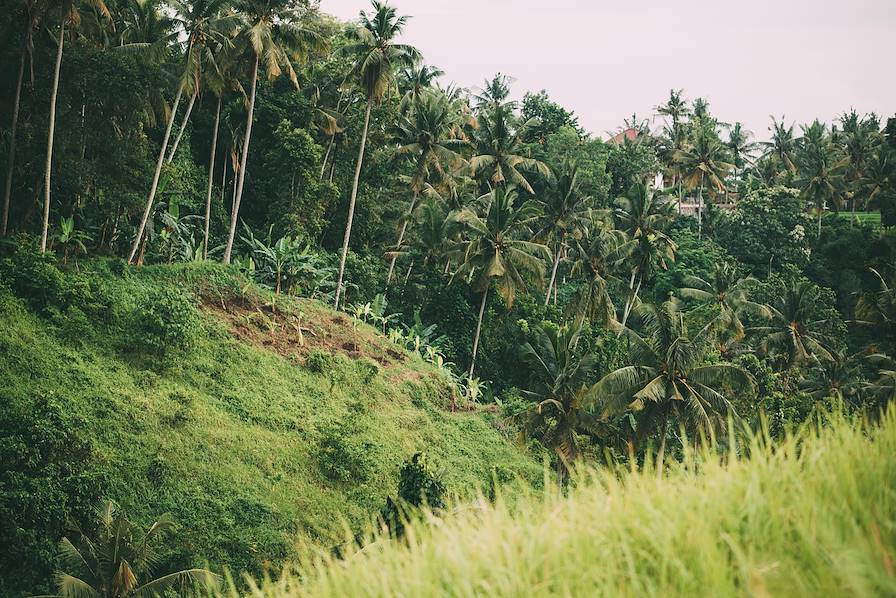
(700, 210)
(351, 204)
(478, 330)
(242, 176)
(401, 232)
(632, 297)
(323, 166)
(211, 174)
(547, 298)
(50, 135)
(183, 125)
(11, 158)
(155, 177)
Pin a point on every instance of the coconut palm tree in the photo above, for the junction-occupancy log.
(559, 375)
(704, 164)
(727, 293)
(782, 145)
(676, 108)
(740, 148)
(668, 377)
(598, 258)
(498, 249)
(118, 559)
(414, 82)
(200, 22)
(422, 137)
(566, 213)
(281, 34)
(792, 335)
(377, 58)
(34, 11)
(498, 151)
(820, 169)
(70, 15)
(858, 137)
(224, 77)
(642, 215)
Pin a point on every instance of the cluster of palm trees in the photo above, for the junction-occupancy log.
(220, 46)
(848, 165)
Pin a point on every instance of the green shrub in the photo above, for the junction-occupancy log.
(165, 320)
(319, 361)
(48, 476)
(345, 453)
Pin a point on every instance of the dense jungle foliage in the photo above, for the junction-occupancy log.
(191, 185)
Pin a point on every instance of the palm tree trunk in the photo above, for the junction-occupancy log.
(243, 159)
(630, 302)
(547, 298)
(820, 210)
(11, 159)
(404, 228)
(478, 330)
(323, 166)
(211, 174)
(351, 204)
(155, 178)
(700, 210)
(407, 275)
(662, 453)
(183, 125)
(50, 134)
(224, 176)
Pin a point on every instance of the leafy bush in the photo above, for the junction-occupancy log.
(48, 475)
(345, 453)
(418, 487)
(319, 362)
(165, 320)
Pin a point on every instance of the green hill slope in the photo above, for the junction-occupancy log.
(816, 516)
(184, 390)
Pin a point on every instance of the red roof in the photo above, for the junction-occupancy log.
(630, 134)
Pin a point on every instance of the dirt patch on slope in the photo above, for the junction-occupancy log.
(298, 327)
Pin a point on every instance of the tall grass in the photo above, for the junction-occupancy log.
(813, 516)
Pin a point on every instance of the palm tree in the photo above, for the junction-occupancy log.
(791, 334)
(498, 248)
(560, 375)
(498, 147)
(201, 21)
(70, 15)
(223, 77)
(704, 165)
(740, 148)
(729, 296)
(422, 135)
(668, 377)
(819, 169)
(413, 82)
(566, 213)
(33, 13)
(676, 107)
(642, 214)
(377, 58)
(858, 137)
(118, 559)
(276, 31)
(782, 145)
(597, 257)
(495, 92)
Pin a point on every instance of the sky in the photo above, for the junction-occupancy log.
(800, 59)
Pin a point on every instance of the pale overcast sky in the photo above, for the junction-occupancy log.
(605, 60)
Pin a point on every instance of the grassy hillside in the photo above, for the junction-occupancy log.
(814, 517)
(186, 390)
